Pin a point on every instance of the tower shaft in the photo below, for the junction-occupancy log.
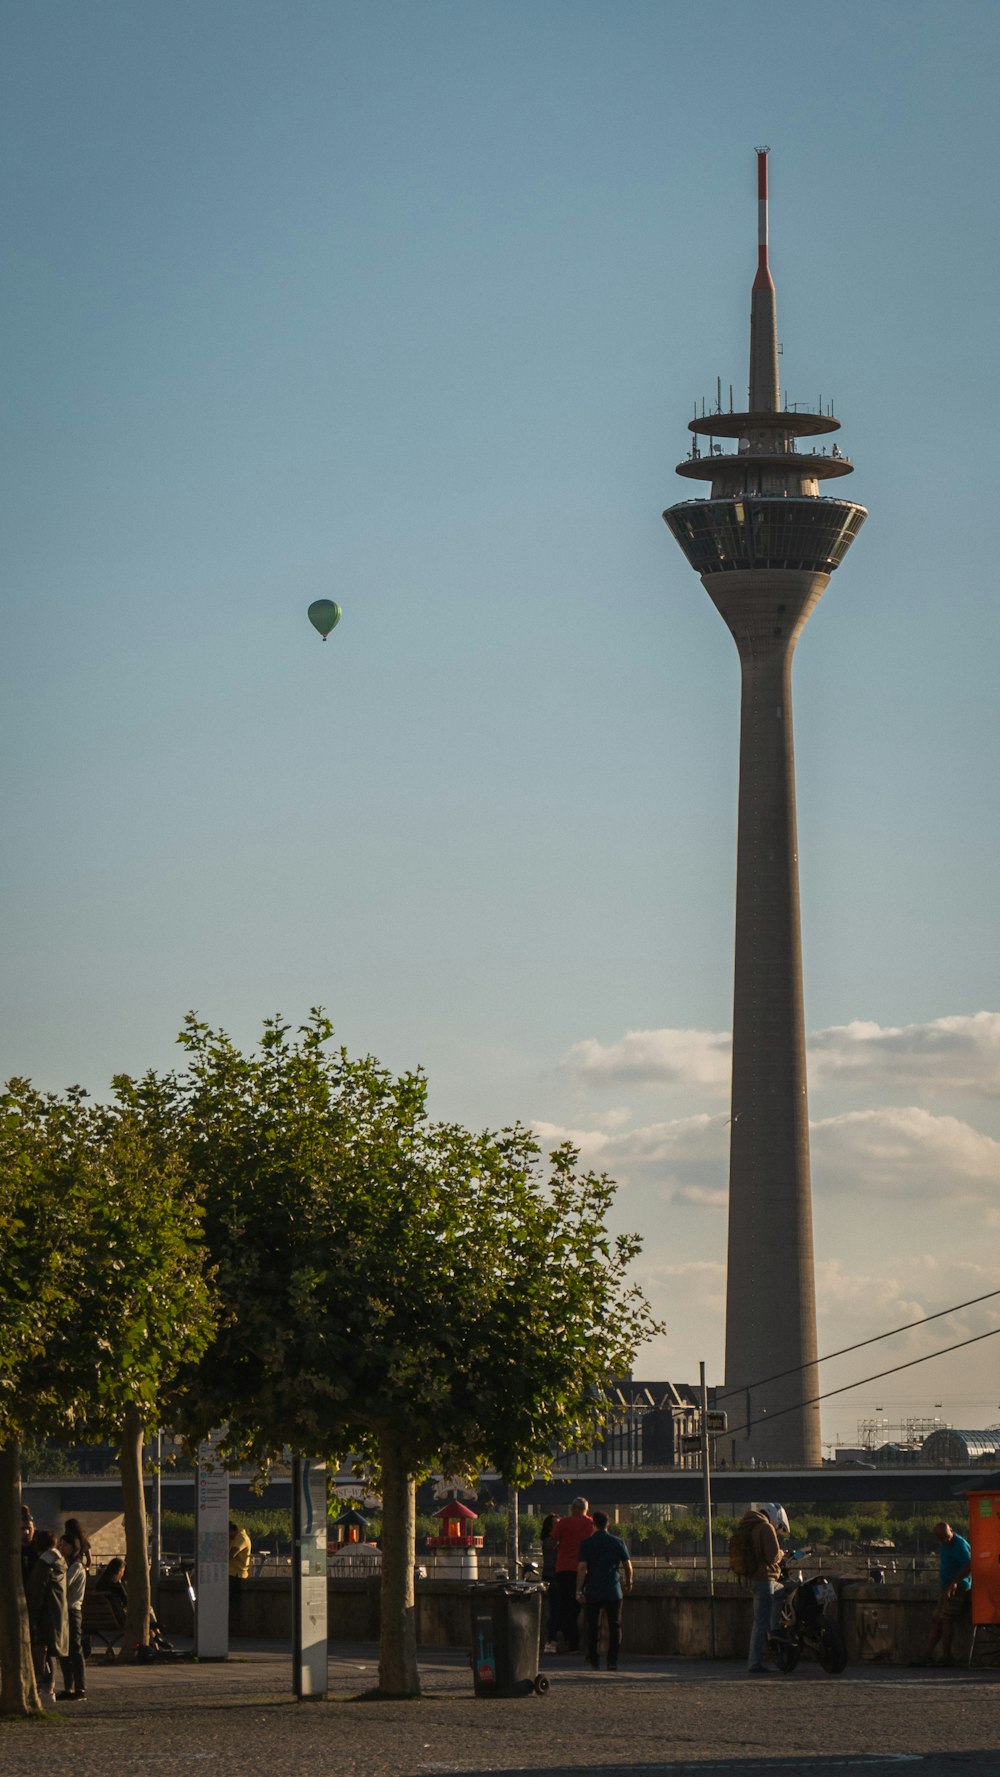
(770, 1295)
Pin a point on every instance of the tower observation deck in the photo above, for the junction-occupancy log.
(765, 542)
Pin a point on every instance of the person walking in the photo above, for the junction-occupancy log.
(239, 1569)
(550, 1550)
(48, 1617)
(568, 1534)
(603, 1570)
(955, 1567)
(29, 1554)
(73, 1669)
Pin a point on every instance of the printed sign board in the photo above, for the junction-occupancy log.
(211, 1638)
(484, 1652)
(309, 1576)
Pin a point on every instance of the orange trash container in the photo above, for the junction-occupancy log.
(984, 1541)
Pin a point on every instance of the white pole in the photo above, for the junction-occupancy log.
(706, 1476)
(513, 1551)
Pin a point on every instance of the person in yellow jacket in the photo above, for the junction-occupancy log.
(239, 1563)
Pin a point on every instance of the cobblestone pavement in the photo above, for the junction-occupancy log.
(654, 1718)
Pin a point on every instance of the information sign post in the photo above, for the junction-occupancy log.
(211, 1633)
(309, 1577)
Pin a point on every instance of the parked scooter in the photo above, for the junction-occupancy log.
(809, 1626)
(529, 1571)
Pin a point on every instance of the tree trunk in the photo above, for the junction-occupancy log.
(136, 1633)
(18, 1695)
(397, 1665)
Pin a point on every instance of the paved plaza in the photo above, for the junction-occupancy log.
(238, 1719)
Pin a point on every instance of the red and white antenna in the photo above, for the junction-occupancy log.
(763, 278)
(764, 396)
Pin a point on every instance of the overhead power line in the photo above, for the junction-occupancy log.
(925, 1320)
(765, 1418)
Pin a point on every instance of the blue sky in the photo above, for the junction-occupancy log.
(407, 305)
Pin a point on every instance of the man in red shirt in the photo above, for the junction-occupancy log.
(568, 1534)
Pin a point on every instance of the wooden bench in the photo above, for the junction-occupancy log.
(101, 1620)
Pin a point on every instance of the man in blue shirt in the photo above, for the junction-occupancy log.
(955, 1562)
(604, 1567)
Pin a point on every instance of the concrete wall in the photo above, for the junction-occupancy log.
(889, 1625)
(883, 1624)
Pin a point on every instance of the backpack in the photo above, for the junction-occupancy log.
(741, 1550)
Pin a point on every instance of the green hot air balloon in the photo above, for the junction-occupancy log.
(324, 615)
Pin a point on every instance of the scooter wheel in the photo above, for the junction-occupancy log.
(785, 1655)
(541, 1684)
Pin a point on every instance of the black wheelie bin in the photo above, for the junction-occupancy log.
(506, 1638)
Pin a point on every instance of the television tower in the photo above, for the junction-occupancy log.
(765, 542)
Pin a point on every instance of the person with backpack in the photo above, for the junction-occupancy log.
(755, 1554)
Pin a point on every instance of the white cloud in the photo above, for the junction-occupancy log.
(904, 1150)
(852, 1306)
(887, 1153)
(682, 1141)
(959, 1054)
(703, 1196)
(592, 1138)
(591, 1143)
(698, 1284)
(665, 1057)
(856, 1304)
(906, 1200)
(705, 1271)
(684, 1158)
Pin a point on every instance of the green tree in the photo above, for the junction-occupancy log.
(148, 1308)
(105, 1294)
(404, 1291)
(869, 1528)
(815, 1528)
(39, 1185)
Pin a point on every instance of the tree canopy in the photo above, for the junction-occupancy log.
(284, 1245)
(104, 1294)
(401, 1290)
